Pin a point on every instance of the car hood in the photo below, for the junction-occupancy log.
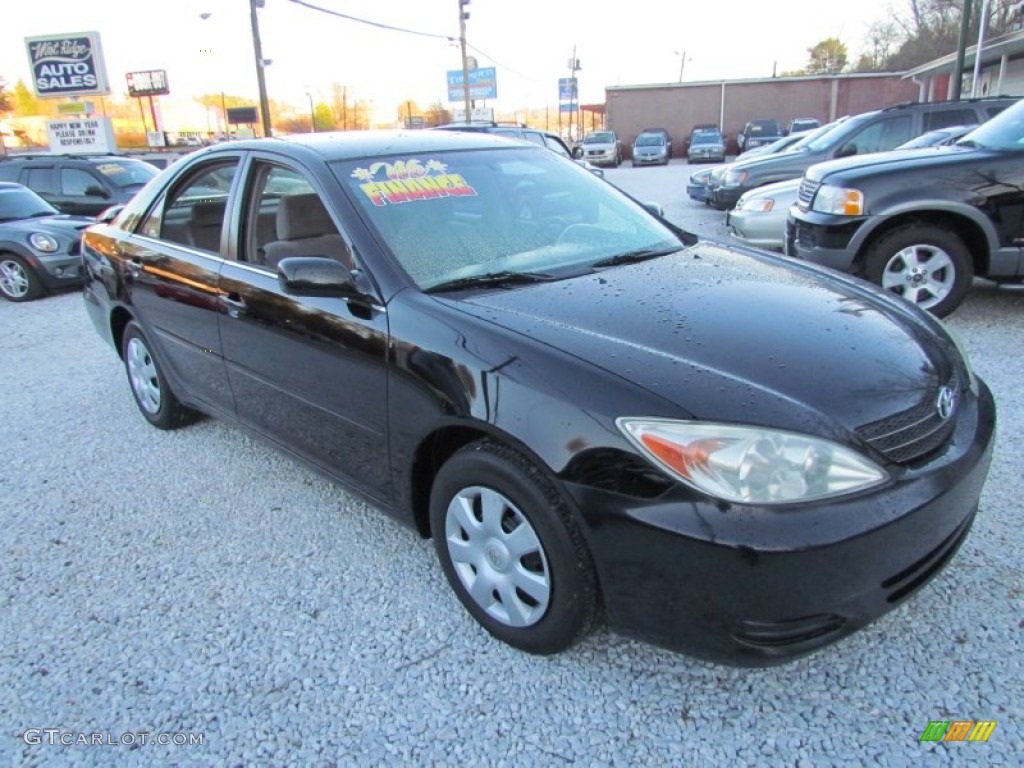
(57, 224)
(651, 149)
(730, 334)
(599, 145)
(895, 161)
(782, 191)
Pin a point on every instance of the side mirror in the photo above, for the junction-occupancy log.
(94, 190)
(577, 152)
(109, 214)
(315, 276)
(656, 209)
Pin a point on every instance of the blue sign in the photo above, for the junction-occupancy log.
(483, 84)
(567, 89)
(67, 65)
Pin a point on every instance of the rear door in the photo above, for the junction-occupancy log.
(172, 263)
(308, 372)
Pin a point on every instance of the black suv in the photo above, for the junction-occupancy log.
(757, 133)
(920, 222)
(876, 131)
(80, 184)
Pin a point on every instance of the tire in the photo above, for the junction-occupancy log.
(618, 159)
(501, 527)
(927, 265)
(153, 396)
(18, 281)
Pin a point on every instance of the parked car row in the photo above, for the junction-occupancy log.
(910, 217)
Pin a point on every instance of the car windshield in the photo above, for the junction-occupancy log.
(457, 216)
(126, 173)
(807, 139)
(836, 132)
(604, 137)
(706, 138)
(1004, 131)
(650, 140)
(22, 203)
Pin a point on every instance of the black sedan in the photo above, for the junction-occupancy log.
(593, 413)
(39, 246)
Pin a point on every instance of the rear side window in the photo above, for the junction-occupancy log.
(948, 117)
(40, 180)
(195, 213)
(883, 135)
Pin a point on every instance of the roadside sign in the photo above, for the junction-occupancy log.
(77, 137)
(483, 84)
(67, 65)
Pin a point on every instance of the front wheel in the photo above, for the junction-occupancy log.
(154, 397)
(511, 549)
(18, 282)
(927, 265)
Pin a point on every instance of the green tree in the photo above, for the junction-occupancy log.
(437, 114)
(827, 57)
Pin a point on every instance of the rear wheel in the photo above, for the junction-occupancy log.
(154, 397)
(511, 549)
(18, 281)
(927, 265)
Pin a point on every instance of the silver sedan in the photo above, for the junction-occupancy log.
(759, 218)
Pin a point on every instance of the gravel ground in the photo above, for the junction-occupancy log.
(199, 583)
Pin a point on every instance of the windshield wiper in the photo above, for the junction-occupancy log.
(490, 280)
(641, 254)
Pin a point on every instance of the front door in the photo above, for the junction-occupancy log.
(308, 372)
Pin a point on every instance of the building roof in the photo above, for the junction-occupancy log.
(1010, 44)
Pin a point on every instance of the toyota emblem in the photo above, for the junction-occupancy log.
(946, 402)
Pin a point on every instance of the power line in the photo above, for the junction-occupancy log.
(378, 24)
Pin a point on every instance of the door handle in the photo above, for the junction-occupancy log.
(233, 303)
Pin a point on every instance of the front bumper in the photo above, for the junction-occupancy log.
(823, 240)
(58, 270)
(756, 586)
(757, 228)
(706, 156)
(698, 192)
(650, 159)
(725, 198)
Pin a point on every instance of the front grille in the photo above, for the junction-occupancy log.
(805, 194)
(913, 433)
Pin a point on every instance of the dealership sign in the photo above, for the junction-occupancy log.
(67, 65)
(151, 83)
(483, 84)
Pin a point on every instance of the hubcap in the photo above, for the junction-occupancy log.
(923, 274)
(143, 376)
(13, 279)
(498, 556)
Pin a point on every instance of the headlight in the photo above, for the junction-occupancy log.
(762, 206)
(43, 242)
(751, 465)
(838, 200)
(734, 178)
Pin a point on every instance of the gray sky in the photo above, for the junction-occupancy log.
(529, 41)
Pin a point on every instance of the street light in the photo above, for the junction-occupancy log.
(312, 112)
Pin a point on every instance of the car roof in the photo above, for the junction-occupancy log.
(352, 145)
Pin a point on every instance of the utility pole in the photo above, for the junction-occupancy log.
(574, 67)
(463, 15)
(982, 23)
(261, 81)
(958, 69)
